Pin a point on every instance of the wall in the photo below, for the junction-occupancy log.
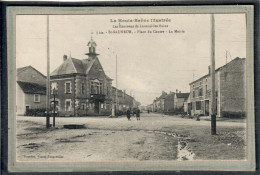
(179, 102)
(232, 87)
(29, 100)
(20, 101)
(63, 96)
(169, 103)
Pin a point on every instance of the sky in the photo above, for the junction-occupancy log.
(148, 63)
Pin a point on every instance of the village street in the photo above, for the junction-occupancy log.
(154, 137)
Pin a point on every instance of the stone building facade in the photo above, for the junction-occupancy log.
(230, 90)
(81, 87)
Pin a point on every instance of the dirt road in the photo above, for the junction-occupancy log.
(154, 137)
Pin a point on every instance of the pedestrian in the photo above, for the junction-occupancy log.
(138, 114)
(128, 114)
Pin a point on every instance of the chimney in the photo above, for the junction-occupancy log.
(176, 90)
(179, 91)
(124, 94)
(65, 57)
(209, 69)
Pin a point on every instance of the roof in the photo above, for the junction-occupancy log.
(21, 69)
(32, 88)
(218, 69)
(162, 96)
(76, 66)
(182, 95)
(79, 65)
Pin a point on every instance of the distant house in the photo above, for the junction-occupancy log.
(30, 90)
(179, 99)
(169, 102)
(160, 102)
(230, 90)
(155, 102)
(82, 86)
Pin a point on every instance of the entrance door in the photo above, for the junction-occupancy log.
(96, 107)
(27, 109)
(206, 107)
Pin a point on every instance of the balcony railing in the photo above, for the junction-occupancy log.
(99, 97)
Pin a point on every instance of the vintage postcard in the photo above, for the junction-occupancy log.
(131, 88)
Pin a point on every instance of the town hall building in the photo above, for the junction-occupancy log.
(81, 86)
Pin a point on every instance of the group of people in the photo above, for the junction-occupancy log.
(135, 112)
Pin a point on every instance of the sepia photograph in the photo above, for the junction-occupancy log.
(159, 88)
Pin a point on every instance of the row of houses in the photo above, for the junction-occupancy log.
(80, 86)
(169, 102)
(230, 89)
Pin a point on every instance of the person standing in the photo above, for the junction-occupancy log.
(138, 114)
(128, 114)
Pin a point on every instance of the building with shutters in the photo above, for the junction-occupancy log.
(81, 86)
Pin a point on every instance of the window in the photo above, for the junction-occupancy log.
(198, 105)
(67, 87)
(96, 87)
(54, 85)
(206, 89)
(101, 90)
(200, 92)
(193, 93)
(36, 98)
(82, 88)
(67, 105)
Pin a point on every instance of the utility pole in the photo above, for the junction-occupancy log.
(116, 86)
(48, 78)
(54, 91)
(212, 73)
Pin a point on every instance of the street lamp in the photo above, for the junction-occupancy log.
(54, 91)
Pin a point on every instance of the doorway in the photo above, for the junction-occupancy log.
(96, 107)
